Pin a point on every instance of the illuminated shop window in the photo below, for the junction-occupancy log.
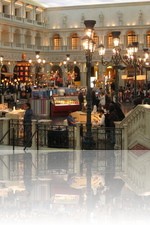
(148, 39)
(110, 41)
(74, 41)
(131, 37)
(56, 42)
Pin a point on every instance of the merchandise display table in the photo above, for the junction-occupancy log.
(4, 109)
(62, 105)
(82, 116)
(15, 114)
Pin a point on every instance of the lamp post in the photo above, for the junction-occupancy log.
(38, 66)
(147, 68)
(115, 60)
(1, 64)
(88, 142)
(69, 67)
(120, 62)
(89, 47)
(135, 61)
(1, 91)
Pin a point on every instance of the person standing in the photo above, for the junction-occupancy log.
(70, 120)
(81, 100)
(110, 119)
(101, 121)
(28, 125)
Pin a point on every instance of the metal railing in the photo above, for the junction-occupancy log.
(105, 137)
(46, 135)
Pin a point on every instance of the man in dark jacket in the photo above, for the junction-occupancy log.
(28, 125)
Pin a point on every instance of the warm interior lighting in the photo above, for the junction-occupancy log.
(141, 77)
(88, 44)
(37, 54)
(101, 50)
(132, 48)
(135, 46)
(1, 58)
(39, 60)
(19, 3)
(29, 6)
(30, 60)
(116, 39)
(146, 53)
(67, 57)
(44, 61)
(89, 24)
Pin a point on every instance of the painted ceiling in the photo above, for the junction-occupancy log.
(61, 3)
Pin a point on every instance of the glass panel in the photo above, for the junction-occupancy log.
(74, 41)
(148, 39)
(56, 42)
(131, 37)
(110, 41)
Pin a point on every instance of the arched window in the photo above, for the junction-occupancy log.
(131, 37)
(74, 41)
(56, 42)
(110, 41)
(148, 39)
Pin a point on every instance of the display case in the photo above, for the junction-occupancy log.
(62, 105)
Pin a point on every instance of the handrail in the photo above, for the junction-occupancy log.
(137, 131)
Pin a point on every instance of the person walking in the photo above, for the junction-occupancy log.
(28, 125)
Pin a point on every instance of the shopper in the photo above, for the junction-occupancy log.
(110, 119)
(81, 100)
(28, 125)
(101, 121)
(70, 120)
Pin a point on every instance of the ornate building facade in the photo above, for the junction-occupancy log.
(55, 32)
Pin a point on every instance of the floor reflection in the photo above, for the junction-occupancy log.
(51, 187)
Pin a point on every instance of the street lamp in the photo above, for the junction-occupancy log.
(147, 68)
(132, 60)
(88, 141)
(120, 62)
(89, 47)
(69, 71)
(1, 87)
(38, 66)
(115, 60)
(1, 64)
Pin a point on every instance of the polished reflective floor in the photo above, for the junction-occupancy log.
(67, 187)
